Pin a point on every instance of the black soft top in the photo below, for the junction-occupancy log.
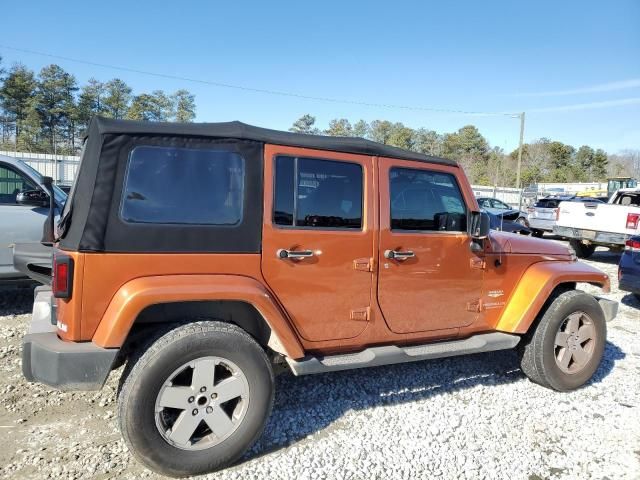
(243, 131)
(90, 220)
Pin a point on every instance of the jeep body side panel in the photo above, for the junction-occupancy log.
(98, 277)
(142, 292)
(535, 286)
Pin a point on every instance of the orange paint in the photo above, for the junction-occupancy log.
(346, 297)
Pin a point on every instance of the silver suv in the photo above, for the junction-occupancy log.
(22, 223)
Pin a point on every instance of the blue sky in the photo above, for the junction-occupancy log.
(554, 60)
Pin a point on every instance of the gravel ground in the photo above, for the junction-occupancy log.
(465, 417)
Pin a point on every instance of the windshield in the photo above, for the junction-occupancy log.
(58, 194)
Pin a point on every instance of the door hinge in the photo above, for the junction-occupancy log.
(475, 306)
(361, 314)
(363, 264)
(477, 262)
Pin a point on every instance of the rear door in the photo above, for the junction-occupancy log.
(318, 239)
(429, 279)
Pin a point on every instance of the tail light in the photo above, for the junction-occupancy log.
(531, 210)
(62, 281)
(632, 220)
(632, 245)
(557, 213)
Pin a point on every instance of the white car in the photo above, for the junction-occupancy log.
(588, 225)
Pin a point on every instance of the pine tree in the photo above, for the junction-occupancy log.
(55, 93)
(305, 124)
(16, 93)
(117, 98)
(184, 106)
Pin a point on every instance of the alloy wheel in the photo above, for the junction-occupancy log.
(575, 342)
(202, 403)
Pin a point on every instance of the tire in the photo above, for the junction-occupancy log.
(522, 221)
(537, 233)
(204, 347)
(541, 358)
(582, 249)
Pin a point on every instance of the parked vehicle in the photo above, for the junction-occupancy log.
(616, 183)
(498, 207)
(629, 268)
(498, 223)
(544, 213)
(590, 224)
(24, 205)
(212, 253)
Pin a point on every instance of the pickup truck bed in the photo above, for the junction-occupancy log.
(610, 224)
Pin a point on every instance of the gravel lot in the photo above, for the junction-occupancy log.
(466, 417)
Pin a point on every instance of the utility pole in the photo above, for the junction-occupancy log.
(520, 158)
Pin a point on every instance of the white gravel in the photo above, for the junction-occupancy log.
(466, 417)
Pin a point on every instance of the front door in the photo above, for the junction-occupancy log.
(18, 223)
(429, 279)
(318, 238)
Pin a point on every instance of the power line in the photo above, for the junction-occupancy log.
(261, 90)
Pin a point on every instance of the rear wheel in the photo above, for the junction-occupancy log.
(537, 233)
(196, 399)
(566, 347)
(582, 249)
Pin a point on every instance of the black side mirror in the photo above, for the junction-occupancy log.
(479, 225)
(34, 198)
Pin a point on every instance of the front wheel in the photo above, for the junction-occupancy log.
(582, 249)
(196, 399)
(566, 347)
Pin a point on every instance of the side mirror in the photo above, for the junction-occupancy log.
(34, 198)
(480, 225)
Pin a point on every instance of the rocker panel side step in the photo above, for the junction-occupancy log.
(387, 355)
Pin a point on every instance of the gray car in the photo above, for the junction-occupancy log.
(498, 207)
(21, 223)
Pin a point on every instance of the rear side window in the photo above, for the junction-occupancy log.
(317, 193)
(169, 185)
(426, 201)
(629, 199)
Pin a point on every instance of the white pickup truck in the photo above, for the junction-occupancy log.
(588, 225)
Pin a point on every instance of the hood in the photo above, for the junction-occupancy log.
(503, 242)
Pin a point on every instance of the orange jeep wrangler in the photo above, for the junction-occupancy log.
(206, 255)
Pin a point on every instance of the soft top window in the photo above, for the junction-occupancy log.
(170, 185)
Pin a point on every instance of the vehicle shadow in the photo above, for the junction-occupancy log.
(606, 256)
(16, 299)
(630, 300)
(307, 405)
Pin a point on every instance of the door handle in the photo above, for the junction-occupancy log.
(283, 254)
(398, 255)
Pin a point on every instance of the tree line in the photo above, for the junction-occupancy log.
(49, 112)
(543, 160)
